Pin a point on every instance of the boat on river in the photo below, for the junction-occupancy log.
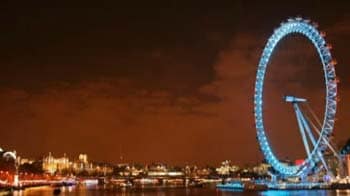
(244, 186)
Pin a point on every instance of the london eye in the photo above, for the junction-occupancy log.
(316, 139)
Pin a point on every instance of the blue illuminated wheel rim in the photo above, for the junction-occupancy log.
(305, 28)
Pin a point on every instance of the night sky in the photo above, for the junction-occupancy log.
(161, 81)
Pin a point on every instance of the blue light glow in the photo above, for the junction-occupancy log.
(305, 28)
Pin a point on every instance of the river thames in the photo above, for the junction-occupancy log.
(100, 190)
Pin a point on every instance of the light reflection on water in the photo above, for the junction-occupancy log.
(296, 192)
(163, 191)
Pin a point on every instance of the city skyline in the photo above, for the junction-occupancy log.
(160, 81)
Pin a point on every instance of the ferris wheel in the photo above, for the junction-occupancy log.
(316, 139)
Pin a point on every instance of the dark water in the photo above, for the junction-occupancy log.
(98, 190)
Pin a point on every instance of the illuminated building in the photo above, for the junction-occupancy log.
(83, 158)
(135, 171)
(205, 172)
(103, 169)
(157, 170)
(226, 168)
(82, 164)
(262, 169)
(52, 165)
(26, 161)
(161, 170)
